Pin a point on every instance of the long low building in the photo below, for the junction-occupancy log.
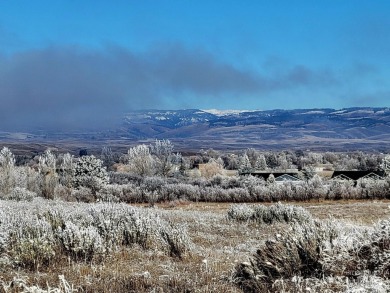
(265, 174)
(357, 175)
(294, 175)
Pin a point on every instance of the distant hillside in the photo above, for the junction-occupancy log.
(351, 128)
(316, 129)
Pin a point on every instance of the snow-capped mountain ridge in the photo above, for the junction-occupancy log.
(195, 129)
(250, 127)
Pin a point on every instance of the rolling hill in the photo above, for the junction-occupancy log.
(328, 129)
(193, 129)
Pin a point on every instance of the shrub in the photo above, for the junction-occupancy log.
(32, 234)
(176, 238)
(270, 214)
(63, 193)
(30, 241)
(19, 194)
(369, 253)
(240, 212)
(81, 242)
(110, 193)
(298, 253)
(83, 194)
(20, 284)
(320, 256)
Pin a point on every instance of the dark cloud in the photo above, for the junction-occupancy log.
(179, 69)
(72, 88)
(369, 99)
(304, 76)
(60, 88)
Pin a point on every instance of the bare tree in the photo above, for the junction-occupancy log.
(212, 168)
(67, 168)
(140, 160)
(7, 165)
(162, 150)
(48, 173)
(107, 156)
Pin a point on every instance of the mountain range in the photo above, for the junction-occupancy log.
(325, 129)
(194, 129)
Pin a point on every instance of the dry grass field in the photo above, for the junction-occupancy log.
(218, 246)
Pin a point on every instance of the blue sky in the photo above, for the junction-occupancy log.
(107, 56)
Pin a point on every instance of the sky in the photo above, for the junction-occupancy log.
(70, 63)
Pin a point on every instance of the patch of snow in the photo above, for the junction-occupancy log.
(363, 111)
(226, 112)
(314, 112)
(161, 118)
(18, 135)
(339, 112)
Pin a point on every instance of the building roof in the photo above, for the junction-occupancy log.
(372, 175)
(286, 177)
(265, 174)
(342, 177)
(355, 175)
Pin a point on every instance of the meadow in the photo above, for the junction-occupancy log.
(69, 225)
(194, 247)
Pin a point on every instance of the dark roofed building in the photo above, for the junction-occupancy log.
(265, 174)
(288, 175)
(356, 175)
(287, 178)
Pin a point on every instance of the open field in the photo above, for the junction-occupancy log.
(218, 246)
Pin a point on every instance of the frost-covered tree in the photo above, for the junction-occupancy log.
(184, 163)
(48, 173)
(47, 162)
(7, 159)
(261, 163)
(220, 161)
(316, 182)
(140, 160)
(272, 160)
(212, 168)
(67, 170)
(349, 163)
(271, 179)
(7, 167)
(282, 161)
(232, 162)
(386, 164)
(89, 172)
(162, 150)
(252, 155)
(245, 164)
(107, 156)
(315, 158)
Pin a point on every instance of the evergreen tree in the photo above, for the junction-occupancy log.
(245, 164)
(261, 163)
(89, 172)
